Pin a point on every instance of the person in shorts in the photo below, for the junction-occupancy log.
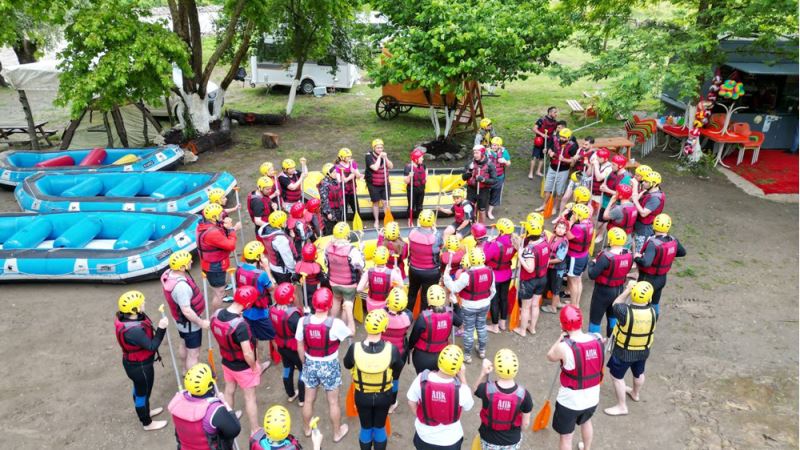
(544, 129)
(462, 212)
(580, 240)
(562, 157)
(480, 175)
(376, 176)
(557, 267)
(186, 304)
(533, 276)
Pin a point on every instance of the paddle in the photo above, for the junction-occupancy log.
(350, 403)
(239, 211)
(543, 417)
(411, 199)
(208, 315)
(546, 163)
(387, 209)
(357, 224)
(441, 188)
(476, 443)
(513, 317)
(171, 352)
(548, 208)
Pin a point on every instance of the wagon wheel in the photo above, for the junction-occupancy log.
(405, 108)
(387, 108)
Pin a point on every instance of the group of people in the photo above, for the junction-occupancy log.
(294, 301)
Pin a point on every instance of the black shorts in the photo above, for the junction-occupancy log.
(216, 279)
(192, 339)
(534, 286)
(377, 193)
(618, 367)
(261, 328)
(554, 281)
(565, 419)
(537, 153)
(481, 200)
(281, 277)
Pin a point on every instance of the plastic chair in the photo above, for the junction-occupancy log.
(716, 121)
(740, 128)
(756, 138)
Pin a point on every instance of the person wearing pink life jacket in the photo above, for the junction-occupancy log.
(621, 212)
(186, 305)
(298, 227)
(437, 399)
(656, 256)
(609, 271)
(480, 175)
(216, 240)
(598, 170)
(290, 182)
(376, 175)
(203, 421)
(318, 338)
(618, 175)
(579, 235)
(311, 273)
(581, 357)
(390, 238)
(261, 202)
(345, 263)
(400, 319)
(237, 346)
(253, 272)
(331, 197)
(505, 405)
(557, 266)
(534, 262)
(650, 203)
(347, 175)
(285, 317)
(462, 212)
(425, 245)
(377, 281)
(415, 176)
(139, 342)
(499, 254)
(501, 158)
(433, 330)
(279, 248)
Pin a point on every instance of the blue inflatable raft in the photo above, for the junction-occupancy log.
(108, 246)
(133, 191)
(16, 165)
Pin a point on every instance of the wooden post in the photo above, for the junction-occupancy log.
(26, 107)
(119, 124)
(269, 140)
(69, 132)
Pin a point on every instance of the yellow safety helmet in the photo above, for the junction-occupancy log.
(436, 296)
(376, 321)
(179, 260)
(535, 217)
(662, 223)
(505, 226)
(565, 133)
(464, 263)
(277, 423)
(643, 170)
(497, 140)
(212, 212)
(476, 257)
(345, 152)
(617, 237)
(381, 255)
(451, 358)
(277, 219)
(460, 193)
(265, 183)
(426, 218)
(131, 302)
(397, 300)
(392, 231)
(581, 211)
(534, 228)
(216, 195)
(574, 177)
(198, 379)
(266, 168)
(642, 292)
(377, 142)
(452, 243)
(341, 231)
(368, 249)
(253, 250)
(327, 168)
(288, 163)
(652, 177)
(506, 364)
(486, 122)
(581, 194)
(468, 243)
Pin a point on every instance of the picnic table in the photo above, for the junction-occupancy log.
(618, 145)
(721, 138)
(7, 130)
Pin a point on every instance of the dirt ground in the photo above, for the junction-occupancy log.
(722, 374)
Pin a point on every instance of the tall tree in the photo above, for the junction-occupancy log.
(30, 26)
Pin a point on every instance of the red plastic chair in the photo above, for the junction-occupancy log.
(716, 121)
(740, 128)
(756, 138)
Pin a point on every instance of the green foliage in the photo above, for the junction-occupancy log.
(34, 20)
(702, 167)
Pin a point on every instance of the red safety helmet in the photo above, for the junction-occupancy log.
(571, 318)
(312, 205)
(538, 141)
(417, 154)
(297, 210)
(624, 191)
(478, 231)
(284, 293)
(619, 160)
(246, 296)
(309, 252)
(603, 153)
(322, 300)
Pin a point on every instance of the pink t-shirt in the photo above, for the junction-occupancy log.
(492, 251)
(578, 232)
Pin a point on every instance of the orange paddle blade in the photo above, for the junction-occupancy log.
(513, 317)
(211, 361)
(273, 352)
(350, 403)
(417, 306)
(543, 417)
(548, 208)
(388, 426)
(387, 215)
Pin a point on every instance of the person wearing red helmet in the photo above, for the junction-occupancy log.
(415, 175)
(480, 175)
(318, 338)
(617, 176)
(557, 265)
(581, 357)
(253, 272)
(311, 273)
(285, 317)
(543, 130)
(479, 234)
(298, 227)
(237, 345)
(376, 176)
(621, 212)
(313, 218)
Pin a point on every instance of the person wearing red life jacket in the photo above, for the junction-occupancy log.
(237, 346)
(499, 156)
(557, 266)
(220, 197)
(186, 304)
(543, 130)
(276, 434)
(462, 212)
(534, 262)
(318, 338)
(400, 319)
(579, 176)
(598, 170)
(347, 174)
(581, 357)
(638, 177)
(261, 202)
(278, 246)
(609, 271)
(298, 227)
(479, 235)
(618, 175)
(253, 272)
(331, 197)
(622, 215)
(312, 275)
(415, 176)
(285, 317)
(650, 203)
(313, 217)
(475, 286)
(505, 405)
(432, 330)
(345, 263)
(656, 256)
(376, 175)
(425, 245)
(202, 419)
(562, 156)
(290, 182)
(499, 254)
(379, 280)
(139, 341)
(480, 175)
(580, 239)
(389, 237)
(215, 242)
(437, 399)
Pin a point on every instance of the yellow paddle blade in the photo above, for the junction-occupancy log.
(476, 443)
(591, 246)
(358, 225)
(358, 309)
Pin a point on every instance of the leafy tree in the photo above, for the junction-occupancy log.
(30, 26)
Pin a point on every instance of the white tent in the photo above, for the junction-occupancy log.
(38, 76)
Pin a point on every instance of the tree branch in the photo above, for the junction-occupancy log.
(196, 46)
(226, 42)
(240, 52)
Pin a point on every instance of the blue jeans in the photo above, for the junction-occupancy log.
(475, 319)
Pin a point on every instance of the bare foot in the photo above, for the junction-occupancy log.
(155, 425)
(530, 176)
(539, 209)
(531, 331)
(392, 408)
(519, 331)
(616, 411)
(539, 174)
(493, 329)
(629, 391)
(343, 429)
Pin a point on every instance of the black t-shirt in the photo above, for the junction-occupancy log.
(419, 327)
(136, 336)
(509, 437)
(257, 206)
(240, 334)
(370, 160)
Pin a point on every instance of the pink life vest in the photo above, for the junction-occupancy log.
(666, 251)
(264, 201)
(454, 258)
(582, 244)
(458, 211)
(541, 256)
(588, 371)
(291, 196)
(555, 243)
(505, 253)
(273, 256)
(396, 330)
(340, 270)
(480, 284)
(504, 411)
(423, 251)
(284, 338)
(192, 417)
(619, 265)
(223, 333)
(493, 157)
(312, 270)
(197, 303)
(130, 352)
(629, 215)
(648, 220)
(317, 338)
(436, 334)
(246, 277)
(439, 402)
(379, 280)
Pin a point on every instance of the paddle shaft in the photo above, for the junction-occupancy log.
(239, 211)
(439, 197)
(171, 351)
(387, 209)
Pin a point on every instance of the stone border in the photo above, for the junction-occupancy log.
(753, 190)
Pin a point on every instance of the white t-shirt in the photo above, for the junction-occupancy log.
(577, 399)
(443, 435)
(461, 283)
(339, 332)
(182, 295)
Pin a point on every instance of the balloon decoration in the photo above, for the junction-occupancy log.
(730, 89)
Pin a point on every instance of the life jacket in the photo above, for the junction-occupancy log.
(505, 254)
(314, 223)
(334, 197)
(192, 418)
(284, 338)
(548, 125)
(293, 224)
(418, 175)
(439, 402)
(130, 352)
(615, 178)
(423, 251)
(500, 169)
(376, 177)
(197, 303)
(312, 270)
(596, 184)
(372, 372)
(505, 410)
(479, 169)
(666, 251)
(541, 256)
(648, 220)
(458, 211)
(397, 248)
(637, 333)
(480, 284)
(555, 243)
(618, 267)
(380, 283)
(248, 277)
(223, 333)
(274, 257)
(629, 215)
(436, 334)
(562, 152)
(209, 253)
(288, 195)
(317, 338)
(455, 264)
(396, 330)
(588, 371)
(290, 443)
(340, 269)
(264, 201)
(582, 244)
(345, 171)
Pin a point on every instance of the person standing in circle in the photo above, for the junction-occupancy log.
(415, 175)
(186, 304)
(432, 330)
(376, 174)
(543, 130)
(425, 245)
(499, 156)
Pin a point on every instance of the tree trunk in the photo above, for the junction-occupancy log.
(295, 83)
(25, 51)
(119, 125)
(198, 111)
(435, 119)
(3, 82)
(109, 134)
(69, 132)
(26, 107)
(219, 100)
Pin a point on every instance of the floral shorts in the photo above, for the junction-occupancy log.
(328, 374)
(487, 446)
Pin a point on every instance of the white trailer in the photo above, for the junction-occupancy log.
(315, 74)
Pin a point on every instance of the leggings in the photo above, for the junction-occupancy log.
(373, 409)
(396, 377)
(419, 280)
(142, 375)
(350, 201)
(475, 319)
(602, 299)
(499, 306)
(424, 360)
(291, 361)
(419, 199)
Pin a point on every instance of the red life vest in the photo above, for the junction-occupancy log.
(596, 184)
(312, 271)
(541, 256)
(505, 253)
(423, 249)
(344, 172)
(582, 244)
(629, 215)
(340, 269)
(666, 251)
(418, 175)
(505, 410)
(197, 303)
(209, 253)
(264, 201)
(562, 154)
(314, 223)
(652, 216)
(395, 332)
(479, 169)
(223, 333)
(588, 371)
(615, 178)
(299, 228)
(284, 338)
(130, 352)
(618, 267)
(548, 126)
(439, 402)
(334, 197)
(380, 283)
(454, 259)
(377, 177)
(437, 331)
(458, 211)
(554, 245)
(192, 417)
(480, 284)
(500, 169)
(247, 277)
(398, 248)
(317, 338)
(288, 195)
(273, 256)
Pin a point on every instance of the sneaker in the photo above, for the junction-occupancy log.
(482, 354)
(467, 359)
(155, 425)
(156, 411)
(227, 299)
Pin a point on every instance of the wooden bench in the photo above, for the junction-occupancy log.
(575, 108)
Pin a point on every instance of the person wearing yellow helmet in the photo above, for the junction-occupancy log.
(389, 237)
(216, 240)
(376, 175)
(186, 304)
(462, 213)
(656, 256)
(562, 156)
(485, 133)
(633, 337)
(253, 272)
(278, 247)
(621, 212)
(139, 342)
(262, 201)
(578, 176)
(453, 253)
(379, 280)
(347, 174)
(557, 266)
(534, 261)
(618, 175)
(345, 263)
(331, 198)
(432, 330)
(290, 182)
(500, 252)
(267, 169)
(649, 203)
(638, 176)
(609, 271)
(543, 130)
(501, 158)
(425, 246)
(400, 319)
(580, 239)
(480, 174)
